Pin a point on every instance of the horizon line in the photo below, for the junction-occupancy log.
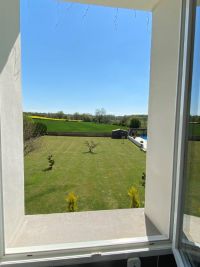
(93, 114)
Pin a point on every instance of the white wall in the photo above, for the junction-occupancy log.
(162, 111)
(11, 117)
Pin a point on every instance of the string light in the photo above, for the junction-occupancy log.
(59, 21)
(57, 13)
(147, 21)
(86, 12)
(116, 19)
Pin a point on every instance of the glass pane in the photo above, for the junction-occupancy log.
(190, 242)
(76, 110)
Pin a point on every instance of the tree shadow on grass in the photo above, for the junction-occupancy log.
(47, 169)
(88, 152)
(43, 191)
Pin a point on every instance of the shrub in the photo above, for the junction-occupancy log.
(31, 131)
(30, 145)
(40, 129)
(134, 197)
(28, 128)
(71, 202)
(28, 134)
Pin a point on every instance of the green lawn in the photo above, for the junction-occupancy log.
(192, 199)
(100, 180)
(76, 126)
(194, 129)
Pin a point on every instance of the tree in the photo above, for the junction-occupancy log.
(51, 162)
(109, 118)
(135, 123)
(124, 120)
(86, 117)
(60, 114)
(91, 146)
(76, 116)
(99, 114)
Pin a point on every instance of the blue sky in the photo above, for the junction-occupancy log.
(78, 58)
(195, 95)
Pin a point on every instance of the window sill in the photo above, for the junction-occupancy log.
(89, 227)
(191, 229)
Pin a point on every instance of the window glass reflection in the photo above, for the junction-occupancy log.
(191, 219)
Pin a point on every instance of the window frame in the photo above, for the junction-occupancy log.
(87, 255)
(2, 238)
(182, 128)
(144, 248)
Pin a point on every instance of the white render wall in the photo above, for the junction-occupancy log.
(162, 111)
(11, 118)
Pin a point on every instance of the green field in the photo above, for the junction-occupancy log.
(76, 126)
(100, 180)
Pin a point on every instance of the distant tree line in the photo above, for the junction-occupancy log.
(195, 118)
(100, 116)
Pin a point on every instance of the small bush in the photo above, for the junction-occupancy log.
(134, 197)
(71, 202)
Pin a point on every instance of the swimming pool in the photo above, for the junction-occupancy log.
(143, 136)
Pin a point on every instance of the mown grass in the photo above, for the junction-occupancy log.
(100, 180)
(194, 129)
(76, 126)
(192, 196)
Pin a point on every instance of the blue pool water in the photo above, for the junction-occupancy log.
(144, 136)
